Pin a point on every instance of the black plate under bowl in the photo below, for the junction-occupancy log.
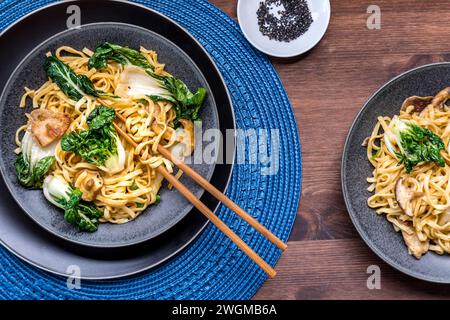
(30, 73)
(376, 231)
(105, 256)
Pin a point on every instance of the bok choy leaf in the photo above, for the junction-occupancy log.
(74, 86)
(413, 144)
(158, 88)
(80, 213)
(100, 144)
(122, 55)
(34, 162)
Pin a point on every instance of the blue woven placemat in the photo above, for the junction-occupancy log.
(212, 267)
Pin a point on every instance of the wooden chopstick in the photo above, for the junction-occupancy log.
(223, 198)
(205, 210)
(218, 195)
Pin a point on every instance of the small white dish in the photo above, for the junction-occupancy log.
(248, 21)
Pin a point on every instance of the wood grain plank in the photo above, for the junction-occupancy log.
(321, 107)
(337, 269)
(408, 26)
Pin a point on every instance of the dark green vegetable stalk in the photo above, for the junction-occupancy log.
(80, 213)
(32, 176)
(122, 55)
(73, 85)
(187, 104)
(97, 144)
(416, 144)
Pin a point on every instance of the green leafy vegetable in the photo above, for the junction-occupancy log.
(376, 155)
(143, 101)
(100, 118)
(32, 177)
(92, 145)
(415, 144)
(100, 144)
(74, 86)
(158, 199)
(187, 104)
(134, 186)
(80, 213)
(161, 88)
(122, 55)
(34, 162)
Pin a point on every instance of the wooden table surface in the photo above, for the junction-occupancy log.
(326, 258)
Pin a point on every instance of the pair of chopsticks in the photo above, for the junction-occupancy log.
(203, 208)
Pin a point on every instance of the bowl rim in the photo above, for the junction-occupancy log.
(201, 228)
(345, 192)
(212, 170)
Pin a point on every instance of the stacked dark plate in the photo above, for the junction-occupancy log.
(33, 229)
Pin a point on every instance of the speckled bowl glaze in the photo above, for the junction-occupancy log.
(376, 231)
(30, 73)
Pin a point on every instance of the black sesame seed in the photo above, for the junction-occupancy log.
(291, 22)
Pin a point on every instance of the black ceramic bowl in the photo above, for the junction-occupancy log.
(376, 231)
(26, 239)
(30, 73)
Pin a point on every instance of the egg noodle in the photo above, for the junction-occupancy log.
(416, 203)
(127, 193)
